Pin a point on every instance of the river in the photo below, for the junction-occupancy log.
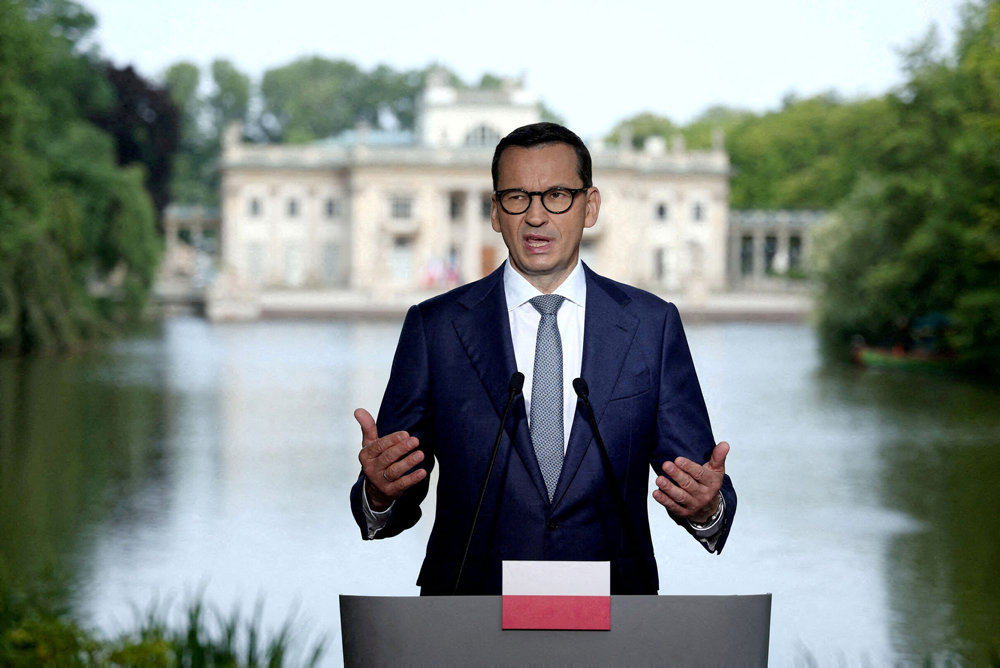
(213, 462)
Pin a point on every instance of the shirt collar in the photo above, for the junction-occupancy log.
(518, 290)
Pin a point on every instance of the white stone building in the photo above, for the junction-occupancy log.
(375, 218)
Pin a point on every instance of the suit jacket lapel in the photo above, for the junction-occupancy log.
(484, 331)
(607, 327)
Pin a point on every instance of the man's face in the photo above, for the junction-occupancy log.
(544, 247)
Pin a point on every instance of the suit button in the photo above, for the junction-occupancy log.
(552, 525)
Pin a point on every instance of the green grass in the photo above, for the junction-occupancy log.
(33, 633)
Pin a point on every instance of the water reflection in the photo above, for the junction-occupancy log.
(941, 467)
(216, 460)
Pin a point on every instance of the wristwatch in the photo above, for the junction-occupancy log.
(719, 510)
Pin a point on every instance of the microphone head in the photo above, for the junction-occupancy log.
(516, 383)
(580, 385)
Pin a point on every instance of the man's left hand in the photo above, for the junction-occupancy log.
(691, 491)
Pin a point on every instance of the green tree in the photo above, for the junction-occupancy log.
(72, 222)
(641, 127)
(230, 100)
(921, 234)
(145, 125)
(203, 119)
(310, 99)
(806, 156)
(194, 162)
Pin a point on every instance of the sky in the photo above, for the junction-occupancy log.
(592, 63)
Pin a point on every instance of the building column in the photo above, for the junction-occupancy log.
(759, 255)
(781, 258)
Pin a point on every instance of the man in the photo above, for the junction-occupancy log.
(449, 387)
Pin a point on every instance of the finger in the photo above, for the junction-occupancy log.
(718, 460)
(393, 488)
(397, 468)
(690, 476)
(383, 452)
(673, 491)
(687, 492)
(669, 503)
(369, 432)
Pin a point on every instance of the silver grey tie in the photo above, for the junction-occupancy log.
(547, 392)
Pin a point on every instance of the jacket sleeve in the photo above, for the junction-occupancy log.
(683, 425)
(404, 408)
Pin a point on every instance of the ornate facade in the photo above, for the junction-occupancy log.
(380, 217)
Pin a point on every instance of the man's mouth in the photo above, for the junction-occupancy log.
(536, 241)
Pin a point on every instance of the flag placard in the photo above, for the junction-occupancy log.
(557, 595)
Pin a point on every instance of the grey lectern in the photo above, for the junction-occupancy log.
(645, 631)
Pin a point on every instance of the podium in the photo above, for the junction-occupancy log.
(466, 631)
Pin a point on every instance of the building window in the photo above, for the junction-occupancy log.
(482, 136)
(770, 253)
(331, 264)
(294, 271)
(746, 255)
(661, 265)
(293, 207)
(332, 208)
(255, 262)
(698, 212)
(401, 207)
(402, 260)
(662, 211)
(795, 252)
(255, 207)
(456, 206)
(485, 204)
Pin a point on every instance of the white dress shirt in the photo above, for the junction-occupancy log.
(524, 319)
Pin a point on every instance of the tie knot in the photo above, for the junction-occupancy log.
(547, 304)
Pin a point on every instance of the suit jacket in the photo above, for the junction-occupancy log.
(448, 387)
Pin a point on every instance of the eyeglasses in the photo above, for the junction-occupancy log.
(518, 200)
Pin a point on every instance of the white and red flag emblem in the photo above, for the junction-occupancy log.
(557, 595)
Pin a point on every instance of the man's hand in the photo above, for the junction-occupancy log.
(385, 462)
(691, 491)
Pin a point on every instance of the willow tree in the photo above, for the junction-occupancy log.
(78, 247)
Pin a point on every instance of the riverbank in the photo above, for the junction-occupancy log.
(737, 306)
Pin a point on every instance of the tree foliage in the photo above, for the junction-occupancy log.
(306, 100)
(920, 234)
(144, 123)
(71, 220)
(314, 97)
(203, 118)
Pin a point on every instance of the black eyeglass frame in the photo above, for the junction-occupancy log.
(498, 194)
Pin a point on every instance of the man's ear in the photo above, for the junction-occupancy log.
(494, 214)
(593, 207)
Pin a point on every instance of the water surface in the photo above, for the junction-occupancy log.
(214, 461)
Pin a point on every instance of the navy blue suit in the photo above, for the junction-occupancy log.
(448, 387)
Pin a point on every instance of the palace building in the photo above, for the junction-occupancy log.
(374, 217)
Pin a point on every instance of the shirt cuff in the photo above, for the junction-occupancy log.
(375, 520)
(714, 523)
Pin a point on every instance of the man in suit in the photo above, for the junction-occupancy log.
(449, 387)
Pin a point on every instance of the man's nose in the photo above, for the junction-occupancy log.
(536, 215)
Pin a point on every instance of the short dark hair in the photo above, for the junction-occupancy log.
(539, 134)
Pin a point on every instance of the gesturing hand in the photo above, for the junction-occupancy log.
(690, 490)
(385, 461)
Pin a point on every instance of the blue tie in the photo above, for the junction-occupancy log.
(547, 392)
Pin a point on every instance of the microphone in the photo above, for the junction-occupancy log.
(583, 392)
(513, 389)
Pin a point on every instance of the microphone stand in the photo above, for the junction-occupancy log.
(513, 389)
(583, 392)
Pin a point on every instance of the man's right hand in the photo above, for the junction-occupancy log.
(385, 461)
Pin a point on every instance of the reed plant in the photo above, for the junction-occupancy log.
(34, 632)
